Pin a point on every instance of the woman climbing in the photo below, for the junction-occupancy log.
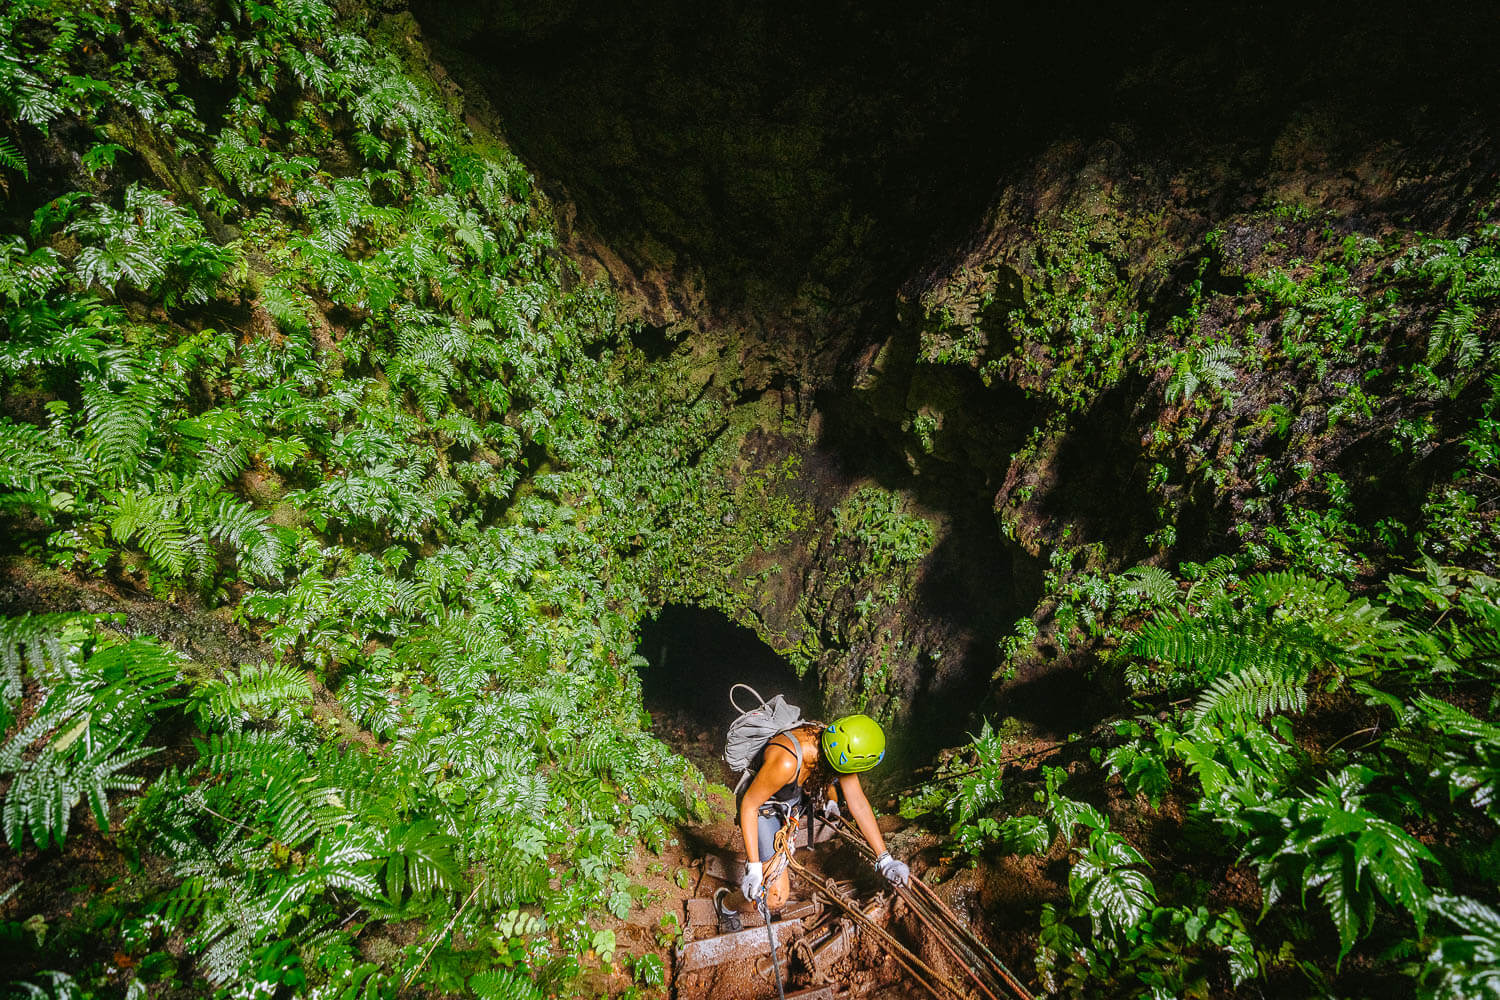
(806, 767)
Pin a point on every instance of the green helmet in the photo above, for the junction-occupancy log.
(853, 744)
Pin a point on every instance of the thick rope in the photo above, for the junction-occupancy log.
(920, 971)
(765, 912)
(785, 843)
(924, 898)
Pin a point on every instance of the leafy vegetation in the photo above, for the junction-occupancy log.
(300, 346)
(289, 344)
(1300, 759)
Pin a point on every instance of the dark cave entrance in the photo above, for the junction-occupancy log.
(694, 656)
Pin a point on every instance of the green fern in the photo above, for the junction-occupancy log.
(26, 276)
(273, 779)
(11, 158)
(1285, 624)
(152, 520)
(29, 468)
(1328, 841)
(247, 531)
(1024, 835)
(1142, 769)
(420, 859)
(255, 691)
(1452, 747)
(120, 426)
(1465, 965)
(1106, 883)
(504, 984)
(120, 259)
(1455, 335)
(288, 307)
(47, 647)
(1194, 368)
(1253, 692)
(88, 729)
(1151, 584)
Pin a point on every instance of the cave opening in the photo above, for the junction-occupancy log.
(694, 655)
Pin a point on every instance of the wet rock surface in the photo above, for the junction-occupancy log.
(840, 209)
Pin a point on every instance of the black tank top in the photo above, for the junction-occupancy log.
(790, 793)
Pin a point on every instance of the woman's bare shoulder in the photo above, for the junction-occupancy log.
(780, 764)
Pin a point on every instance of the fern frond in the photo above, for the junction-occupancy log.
(1150, 583)
(257, 690)
(151, 519)
(268, 769)
(134, 678)
(40, 798)
(45, 646)
(120, 425)
(235, 522)
(26, 276)
(1455, 335)
(1466, 964)
(1212, 365)
(1208, 646)
(99, 774)
(421, 859)
(11, 157)
(1252, 692)
(29, 469)
(504, 984)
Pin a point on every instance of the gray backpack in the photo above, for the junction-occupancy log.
(755, 727)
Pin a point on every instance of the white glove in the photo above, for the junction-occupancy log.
(895, 872)
(831, 810)
(752, 883)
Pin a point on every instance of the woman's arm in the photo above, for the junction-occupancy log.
(860, 811)
(895, 872)
(775, 771)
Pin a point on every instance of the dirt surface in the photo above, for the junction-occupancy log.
(825, 949)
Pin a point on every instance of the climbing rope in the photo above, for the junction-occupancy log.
(785, 843)
(765, 912)
(925, 976)
(955, 938)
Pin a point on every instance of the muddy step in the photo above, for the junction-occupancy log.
(701, 922)
(746, 945)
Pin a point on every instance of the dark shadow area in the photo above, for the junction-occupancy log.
(1060, 700)
(654, 342)
(975, 582)
(1102, 474)
(842, 142)
(694, 656)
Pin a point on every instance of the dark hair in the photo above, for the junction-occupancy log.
(822, 774)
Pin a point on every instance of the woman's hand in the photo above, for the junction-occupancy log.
(753, 882)
(895, 872)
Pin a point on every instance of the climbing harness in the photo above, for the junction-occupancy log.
(785, 842)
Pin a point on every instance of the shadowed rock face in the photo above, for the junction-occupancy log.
(807, 193)
(816, 153)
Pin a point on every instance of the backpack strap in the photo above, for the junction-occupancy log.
(796, 749)
(749, 776)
